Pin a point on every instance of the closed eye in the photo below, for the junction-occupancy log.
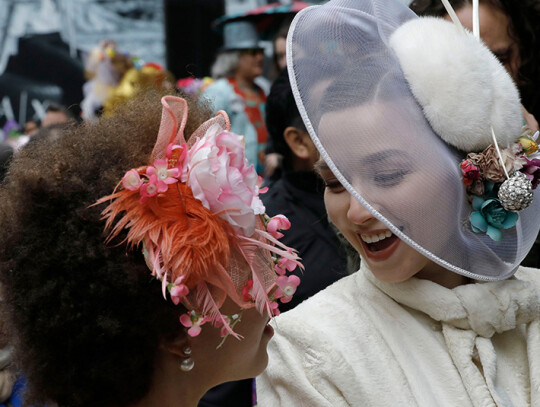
(390, 178)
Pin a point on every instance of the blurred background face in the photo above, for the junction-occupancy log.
(494, 31)
(54, 118)
(250, 64)
(280, 46)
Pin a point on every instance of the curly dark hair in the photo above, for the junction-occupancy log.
(87, 318)
(523, 28)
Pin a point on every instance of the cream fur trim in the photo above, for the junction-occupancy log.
(462, 87)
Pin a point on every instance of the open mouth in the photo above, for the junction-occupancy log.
(380, 245)
(380, 241)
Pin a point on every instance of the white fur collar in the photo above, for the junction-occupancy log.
(483, 307)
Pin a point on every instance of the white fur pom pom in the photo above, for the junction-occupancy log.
(461, 86)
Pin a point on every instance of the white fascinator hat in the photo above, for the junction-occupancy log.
(421, 124)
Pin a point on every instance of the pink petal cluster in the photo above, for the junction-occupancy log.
(278, 222)
(532, 170)
(178, 290)
(132, 180)
(157, 178)
(274, 308)
(220, 177)
(164, 176)
(286, 287)
(283, 265)
(470, 171)
(247, 291)
(218, 323)
(193, 321)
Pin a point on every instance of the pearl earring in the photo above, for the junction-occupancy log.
(187, 364)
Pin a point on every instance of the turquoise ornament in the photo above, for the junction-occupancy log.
(490, 217)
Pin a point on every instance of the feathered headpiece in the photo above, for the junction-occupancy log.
(195, 212)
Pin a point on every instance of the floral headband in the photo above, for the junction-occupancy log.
(196, 212)
(500, 183)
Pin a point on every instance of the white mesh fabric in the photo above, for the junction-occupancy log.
(363, 118)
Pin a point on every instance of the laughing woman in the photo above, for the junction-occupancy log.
(126, 262)
(430, 176)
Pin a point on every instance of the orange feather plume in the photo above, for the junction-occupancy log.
(192, 240)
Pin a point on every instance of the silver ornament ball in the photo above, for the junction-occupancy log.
(516, 192)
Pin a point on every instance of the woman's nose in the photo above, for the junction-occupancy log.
(357, 213)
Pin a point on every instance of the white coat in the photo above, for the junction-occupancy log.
(362, 342)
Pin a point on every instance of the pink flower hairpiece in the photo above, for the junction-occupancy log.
(197, 213)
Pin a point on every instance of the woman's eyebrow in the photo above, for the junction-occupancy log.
(386, 155)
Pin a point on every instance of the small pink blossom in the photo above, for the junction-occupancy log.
(286, 287)
(178, 290)
(532, 170)
(176, 157)
(470, 171)
(247, 291)
(193, 321)
(285, 265)
(219, 323)
(278, 222)
(152, 188)
(132, 180)
(163, 173)
(274, 308)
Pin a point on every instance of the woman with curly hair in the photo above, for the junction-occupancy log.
(115, 250)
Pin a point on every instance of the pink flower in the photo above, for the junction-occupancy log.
(274, 308)
(176, 157)
(532, 170)
(247, 291)
(470, 172)
(220, 177)
(193, 321)
(152, 188)
(219, 323)
(286, 287)
(284, 265)
(164, 175)
(278, 222)
(259, 184)
(132, 180)
(178, 290)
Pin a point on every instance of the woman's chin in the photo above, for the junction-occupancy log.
(392, 276)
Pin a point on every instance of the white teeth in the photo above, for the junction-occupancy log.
(377, 237)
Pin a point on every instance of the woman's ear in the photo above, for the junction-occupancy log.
(177, 346)
(181, 348)
(298, 141)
